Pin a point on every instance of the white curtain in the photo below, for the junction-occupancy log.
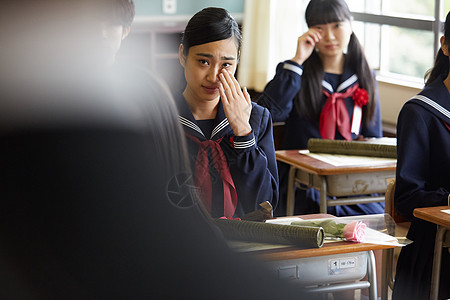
(270, 29)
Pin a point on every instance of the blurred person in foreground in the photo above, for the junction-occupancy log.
(96, 200)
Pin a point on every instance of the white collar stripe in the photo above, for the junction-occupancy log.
(219, 127)
(293, 68)
(190, 124)
(433, 104)
(327, 86)
(347, 83)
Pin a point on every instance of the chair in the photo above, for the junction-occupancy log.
(389, 257)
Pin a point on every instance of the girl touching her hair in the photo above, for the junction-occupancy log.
(230, 141)
(327, 90)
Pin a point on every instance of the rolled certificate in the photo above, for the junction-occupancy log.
(303, 236)
(382, 147)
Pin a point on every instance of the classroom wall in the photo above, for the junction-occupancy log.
(392, 98)
(186, 7)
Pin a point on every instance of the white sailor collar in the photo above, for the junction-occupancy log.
(348, 79)
(190, 125)
(436, 99)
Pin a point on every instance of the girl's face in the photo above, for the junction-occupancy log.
(203, 64)
(335, 38)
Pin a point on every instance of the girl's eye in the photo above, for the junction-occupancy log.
(226, 65)
(338, 25)
(203, 62)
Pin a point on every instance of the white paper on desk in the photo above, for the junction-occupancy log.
(379, 238)
(339, 160)
(447, 211)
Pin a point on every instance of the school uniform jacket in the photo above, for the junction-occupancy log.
(422, 180)
(278, 97)
(251, 159)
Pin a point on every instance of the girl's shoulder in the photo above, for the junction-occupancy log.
(259, 110)
(260, 116)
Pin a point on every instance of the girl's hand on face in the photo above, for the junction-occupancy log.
(236, 102)
(306, 44)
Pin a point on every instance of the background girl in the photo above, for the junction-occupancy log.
(230, 141)
(326, 90)
(422, 179)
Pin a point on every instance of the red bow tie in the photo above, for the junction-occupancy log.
(334, 114)
(202, 177)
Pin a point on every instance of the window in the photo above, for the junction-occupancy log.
(400, 37)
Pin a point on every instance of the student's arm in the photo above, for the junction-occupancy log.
(414, 164)
(279, 93)
(253, 165)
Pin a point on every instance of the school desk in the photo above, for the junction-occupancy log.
(336, 180)
(336, 266)
(442, 220)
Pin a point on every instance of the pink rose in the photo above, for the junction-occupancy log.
(355, 231)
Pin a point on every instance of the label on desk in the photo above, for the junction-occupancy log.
(338, 266)
(447, 211)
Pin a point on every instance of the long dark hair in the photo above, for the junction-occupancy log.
(441, 62)
(211, 24)
(308, 100)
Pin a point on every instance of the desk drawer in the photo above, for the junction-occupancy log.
(323, 269)
(348, 184)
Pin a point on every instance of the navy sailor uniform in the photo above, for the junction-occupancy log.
(278, 97)
(251, 159)
(422, 180)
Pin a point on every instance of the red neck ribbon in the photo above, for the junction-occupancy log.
(202, 177)
(334, 114)
(447, 125)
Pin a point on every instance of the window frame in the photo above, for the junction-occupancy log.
(433, 24)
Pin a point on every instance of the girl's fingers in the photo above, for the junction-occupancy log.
(310, 40)
(247, 96)
(316, 34)
(223, 94)
(237, 86)
(226, 80)
(315, 37)
(225, 89)
(230, 84)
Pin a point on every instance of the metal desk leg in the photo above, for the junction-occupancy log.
(372, 275)
(386, 272)
(323, 195)
(290, 201)
(437, 262)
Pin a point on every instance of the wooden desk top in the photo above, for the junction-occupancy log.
(327, 249)
(315, 166)
(434, 215)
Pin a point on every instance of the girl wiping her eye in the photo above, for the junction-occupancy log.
(229, 137)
